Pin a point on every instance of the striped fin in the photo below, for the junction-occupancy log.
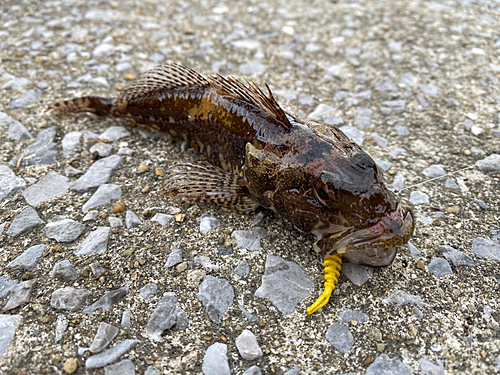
(251, 94)
(203, 182)
(161, 78)
(92, 104)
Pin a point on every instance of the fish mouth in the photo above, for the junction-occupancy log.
(374, 246)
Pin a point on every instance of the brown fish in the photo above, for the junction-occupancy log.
(260, 155)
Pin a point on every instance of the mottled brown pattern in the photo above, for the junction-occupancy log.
(308, 172)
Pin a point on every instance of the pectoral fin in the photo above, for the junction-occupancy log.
(203, 182)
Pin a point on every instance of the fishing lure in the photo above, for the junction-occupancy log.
(258, 154)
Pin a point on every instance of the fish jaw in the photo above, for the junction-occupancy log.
(374, 246)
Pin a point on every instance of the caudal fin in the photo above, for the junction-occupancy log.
(93, 104)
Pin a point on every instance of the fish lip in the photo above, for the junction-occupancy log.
(379, 240)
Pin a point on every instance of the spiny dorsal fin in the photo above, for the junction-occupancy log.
(160, 79)
(251, 94)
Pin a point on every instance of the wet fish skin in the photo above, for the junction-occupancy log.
(308, 172)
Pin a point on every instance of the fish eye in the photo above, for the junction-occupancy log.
(325, 196)
(322, 194)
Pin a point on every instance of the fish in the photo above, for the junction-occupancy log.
(260, 153)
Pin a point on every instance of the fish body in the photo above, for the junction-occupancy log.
(257, 154)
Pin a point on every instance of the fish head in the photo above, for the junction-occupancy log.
(325, 184)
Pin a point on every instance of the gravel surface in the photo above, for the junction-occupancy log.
(93, 257)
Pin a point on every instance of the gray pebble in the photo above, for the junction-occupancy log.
(398, 183)
(162, 219)
(131, 219)
(364, 112)
(366, 95)
(20, 294)
(400, 297)
(51, 185)
(17, 131)
(381, 141)
(401, 130)
(99, 82)
(247, 345)
(395, 105)
(431, 90)
(242, 269)
(440, 267)
(43, 150)
(91, 215)
(418, 313)
(65, 230)
(95, 243)
(99, 173)
(174, 258)
(252, 67)
(104, 49)
(64, 270)
(216, 295)
(109, 356)
(104, 335)
(347, 315)
(339, 336)
(417, 197)
(62, 324)
(362, 122)
(215, 360)
(457, 258)
(450, 184)
(72, 172)
(384, 365)
(431, 368)
(413, 250)
(357, 273)
(284, 283)
(101, 149)
(115, 222)
(208, 223)
(89, 137)
(293, 371)
(103, 195)
(320, 111)
(384, 165)
(434, 171)
(113, 133)
(452, 101)
(353, 133)
(6, 286)
(148, 291)
(125, 322)
(254, 370)
(489, 164)
(485, 248)
(8, 326)
(249, 239)
(332, 120)
(26, 221)
(107, 300)
(69, 298)
(248, 315)
(70, 142)
(28, 259)
(340, 94)
(167, 314)
(125, 367)
(10, 184)
(97, 270)
(408, 79)
(306, 100)
(201, 259)
(386, 85)
(26, 99)
(396, 152)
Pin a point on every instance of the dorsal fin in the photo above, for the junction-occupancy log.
(160, 79)
(251, 94)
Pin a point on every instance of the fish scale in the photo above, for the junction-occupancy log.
(258, 154)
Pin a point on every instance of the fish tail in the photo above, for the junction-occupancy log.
(93, 104)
